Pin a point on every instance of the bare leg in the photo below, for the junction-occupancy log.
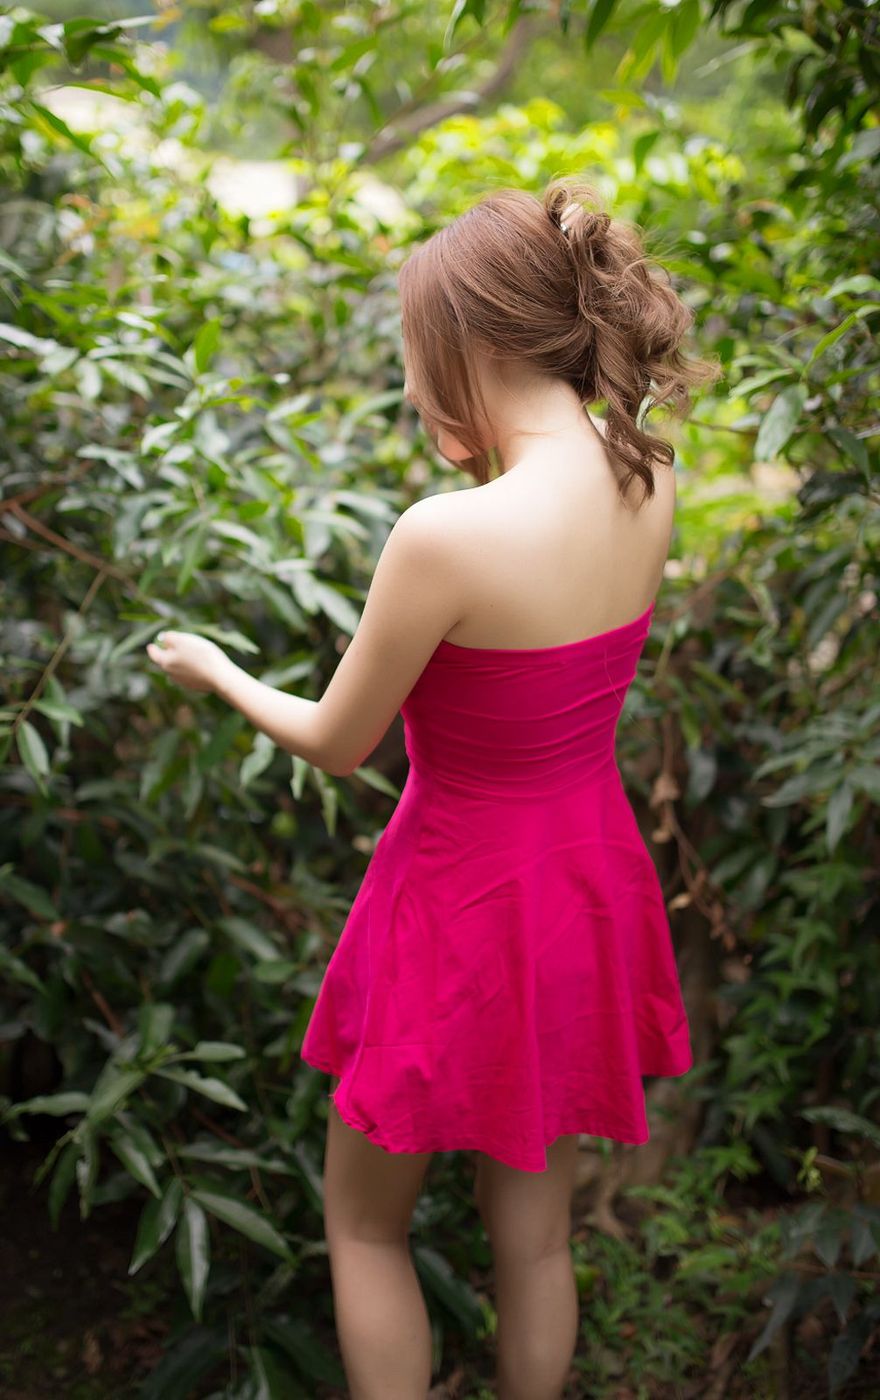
(527, 1216)
(381, 1319)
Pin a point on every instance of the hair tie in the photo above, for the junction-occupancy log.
(569, 209)
(597, 221)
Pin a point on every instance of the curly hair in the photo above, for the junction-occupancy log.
(551, 281)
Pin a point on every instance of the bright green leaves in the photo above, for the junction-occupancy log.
(205, 346)
(780, 421)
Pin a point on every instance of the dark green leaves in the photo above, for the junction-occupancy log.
(247, 1221)
(193, 1252)
(600, 13)
(33, 753)
(158, 1219)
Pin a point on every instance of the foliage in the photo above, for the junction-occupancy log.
(204, 430)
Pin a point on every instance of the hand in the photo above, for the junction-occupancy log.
(191, 661)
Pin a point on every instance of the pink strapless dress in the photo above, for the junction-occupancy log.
(506, 972)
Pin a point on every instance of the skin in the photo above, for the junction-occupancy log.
(544, 554)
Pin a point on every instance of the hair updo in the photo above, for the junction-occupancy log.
(552, 281)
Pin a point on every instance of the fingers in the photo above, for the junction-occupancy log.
(162, 645)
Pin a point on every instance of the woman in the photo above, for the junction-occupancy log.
(505, 976)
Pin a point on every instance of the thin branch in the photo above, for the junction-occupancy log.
(406, 123)
(58, 653)
(31, 522)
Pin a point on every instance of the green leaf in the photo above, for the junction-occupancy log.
(158, 1219)
(853, 447)
(453, 1291)
(157, 773)
(642, 147)
(865, 147)
(237, 1158)
(257, 760)
(864, 1237)
(191, 557)
(645, 40)
(206, 343)
(843, 1120)
(16, 335)
(779, 422)
(86, 1167)
(55, 1105)
(112, 1088)
(220, 741)
(840, 807)
(846, 1351)
(251, 939)
(60, 128)
(193, 1252)
(271, 1378)
(16, 970)
(135, 1161)
(177, 1376)
(213, 1089)
(828, 1240)
(867, 780)
(215, 1050)
(600, 14)
(247, 1221)
(155, 1021)
(374, 779)
(62, 1180)
(24, 892)
(228, 637)
(299, 1340)
(684, 23)
(33, 754)
(182, 957)
(785, 1292)
(52, 709)
(834, 335)
(336, 606)
(859, 285)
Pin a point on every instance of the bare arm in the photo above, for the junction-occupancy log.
(411, 603)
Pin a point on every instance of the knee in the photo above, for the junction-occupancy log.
(524, 1238)
(515, 1249)
(347, 1223)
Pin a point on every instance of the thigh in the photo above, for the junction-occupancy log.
(528, 1213)
(369, 1193)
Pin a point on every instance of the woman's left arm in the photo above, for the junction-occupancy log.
(412, 601)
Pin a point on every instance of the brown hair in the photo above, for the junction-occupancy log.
(567, 289)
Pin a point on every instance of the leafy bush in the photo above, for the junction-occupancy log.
(204, 430)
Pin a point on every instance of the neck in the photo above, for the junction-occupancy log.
(530, 410)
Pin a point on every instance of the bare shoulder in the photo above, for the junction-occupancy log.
(434, 530)
(426, 522)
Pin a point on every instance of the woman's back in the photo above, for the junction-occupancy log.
(550, 552)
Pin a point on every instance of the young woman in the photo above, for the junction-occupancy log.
(506, 975)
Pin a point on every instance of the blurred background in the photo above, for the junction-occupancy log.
(202, 210)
